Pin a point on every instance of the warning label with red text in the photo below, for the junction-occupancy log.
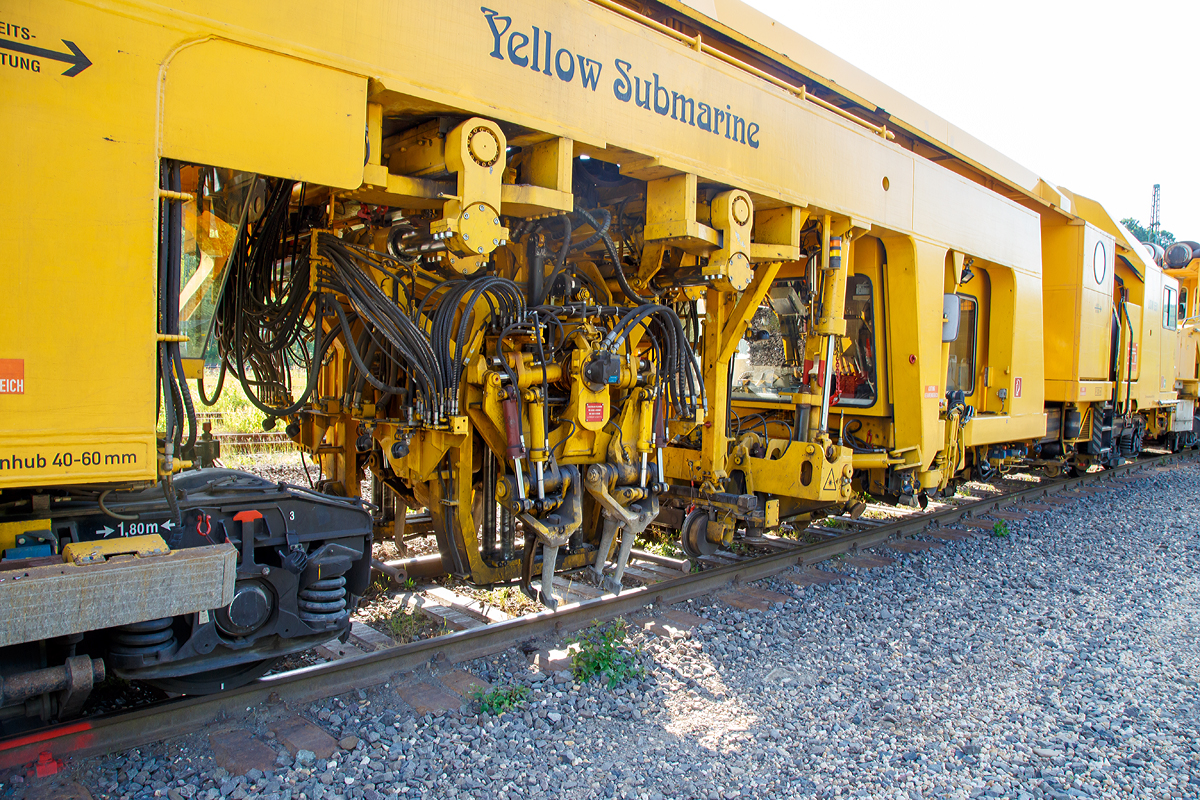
(12, 376)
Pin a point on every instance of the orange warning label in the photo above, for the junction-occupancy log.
(931, 392)
(593, 412)
(12, 376)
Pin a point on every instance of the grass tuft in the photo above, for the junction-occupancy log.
(405, 625)
(661, 542)
(509, 599)
(1000, 530)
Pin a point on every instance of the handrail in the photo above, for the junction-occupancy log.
(697, 44)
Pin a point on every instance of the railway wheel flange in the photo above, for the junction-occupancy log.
(693, 536)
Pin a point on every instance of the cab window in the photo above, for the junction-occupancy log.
(960, 370)
(770, 363)
(854, 371)
(1170, 310)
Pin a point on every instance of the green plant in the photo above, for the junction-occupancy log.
(409, 584)
(1000, 530)
(404, 625)
(379, 585)
(510, 600)
(661, 542)
(602, 652)
(499, 700)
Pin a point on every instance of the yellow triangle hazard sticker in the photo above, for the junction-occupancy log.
(830, 483)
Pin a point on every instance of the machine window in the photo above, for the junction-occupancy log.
(1170, 310)
(770, 363)
(960, 370)
(855, 368)
(210, 227)
(1183, 303)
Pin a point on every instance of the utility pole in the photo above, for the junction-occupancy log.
(1154, 222)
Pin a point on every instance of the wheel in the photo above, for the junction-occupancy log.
(693, 537)
(217, 680)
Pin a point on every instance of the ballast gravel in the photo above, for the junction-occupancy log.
(1059, 662)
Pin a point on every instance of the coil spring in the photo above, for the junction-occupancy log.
(324, 601)
(144, 638)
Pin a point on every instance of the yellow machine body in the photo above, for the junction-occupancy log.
(735, 174)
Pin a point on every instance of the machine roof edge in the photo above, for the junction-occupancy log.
(751, 27)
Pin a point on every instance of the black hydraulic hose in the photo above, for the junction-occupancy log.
(355, 356)
(605, 222)
(561, 263)
(220, 386)
(384, 318)
(165, 381)
(372, 351)
(428, 379)
(187, 395)
(319, 348)
(175, 260)
(168, 394)
(267, 312)
(618, 270)
(354, 379)
(504, 299)
(680, 374)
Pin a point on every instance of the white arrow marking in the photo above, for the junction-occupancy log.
(168, 524)
(107, 531)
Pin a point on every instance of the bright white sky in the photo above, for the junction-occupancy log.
(1102, 98)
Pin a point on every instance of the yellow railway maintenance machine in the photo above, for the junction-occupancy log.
(554, 271)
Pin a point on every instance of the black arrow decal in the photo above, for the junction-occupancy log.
(76, 57)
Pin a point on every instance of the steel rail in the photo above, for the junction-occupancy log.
(184, 715)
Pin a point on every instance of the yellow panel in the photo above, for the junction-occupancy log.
(1077, 264)
(1060, 333)
(246, 108)
(1027, 406)
(952, 209)
(993, 428)
(77, 249)
(786, 148)
(1095, 308)
(233, 106)
(915, 366)
(1058, 391)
